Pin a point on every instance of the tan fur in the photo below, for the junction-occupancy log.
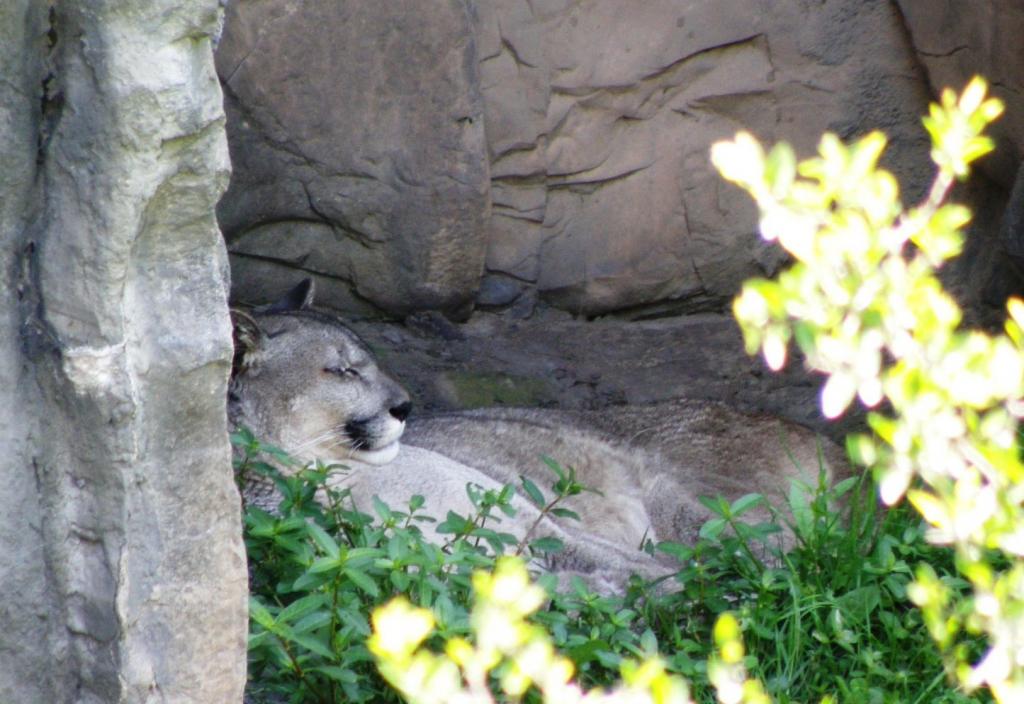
(650, 463)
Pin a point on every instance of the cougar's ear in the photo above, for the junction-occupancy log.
(299, 298)
(247, 337)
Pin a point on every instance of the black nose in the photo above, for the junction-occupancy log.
(402, 410)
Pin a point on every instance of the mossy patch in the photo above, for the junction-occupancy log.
(475, 390)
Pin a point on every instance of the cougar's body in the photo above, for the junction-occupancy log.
(306, 383)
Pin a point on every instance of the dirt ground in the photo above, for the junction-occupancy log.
(554, 360)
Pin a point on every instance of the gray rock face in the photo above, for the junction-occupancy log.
(556, 361)
(358, 146)
(121, 561)
(32, 640)
(599, 116)
(955, 40)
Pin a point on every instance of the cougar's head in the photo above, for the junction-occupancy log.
(305, 382)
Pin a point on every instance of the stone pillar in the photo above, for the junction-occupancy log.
(121, 561)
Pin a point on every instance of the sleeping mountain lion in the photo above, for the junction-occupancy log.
(305, 382)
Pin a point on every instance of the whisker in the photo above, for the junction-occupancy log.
(315, 440)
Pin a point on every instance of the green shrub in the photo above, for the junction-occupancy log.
(828, 615)
(864, 305)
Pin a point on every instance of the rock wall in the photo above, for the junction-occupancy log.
(32, 639)
(955, 40)
(121, 562)
(358, 146)
(600, 115)
(356, 137)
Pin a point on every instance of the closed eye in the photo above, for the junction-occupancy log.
(343, 371)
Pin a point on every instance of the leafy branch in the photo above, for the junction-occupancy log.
(863, 303)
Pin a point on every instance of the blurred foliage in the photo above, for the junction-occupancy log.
(863, 303)
(826, 611)
(505, 647)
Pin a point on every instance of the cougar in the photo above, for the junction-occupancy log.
(306, 383)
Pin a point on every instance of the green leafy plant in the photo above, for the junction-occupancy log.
(831, 617)
(864, 305)
(828, 615)
(320, 564)
(505, 647)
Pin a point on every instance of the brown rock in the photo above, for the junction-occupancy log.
(600, 116)
(356, 132)
(957, 39)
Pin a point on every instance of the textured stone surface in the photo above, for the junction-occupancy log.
(600, 114)
(957, 39)
(121, 560)
(357, 141)
(354, 161)
(554, 360)
(33, 640)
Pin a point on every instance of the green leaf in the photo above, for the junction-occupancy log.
(454, 524)
(569, 487)
(358, 557)
(261, 639)
(844, 487)
(242, 437)
(338, 674)
(400, 580)
(861, 602)
(565, 513)
(311, 643)
(608, 659)
(398, 548)
(865, 155)
(554, 467)
(745, 503)
(532, 492)
(861, 450)
(312, 622)
(649, 642)
(587, 652)
(547, 544)
(680, 552)
(354, 619)
(325, 564)
(579, 587)
(717, 505)
(363, 581)
(713, 528)
(290, 525)
(299, 608)
(259, 613)
(485, 533)
(324, 541)
(381, 508)
(507, 509)
(780, 169)
(800, 508)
